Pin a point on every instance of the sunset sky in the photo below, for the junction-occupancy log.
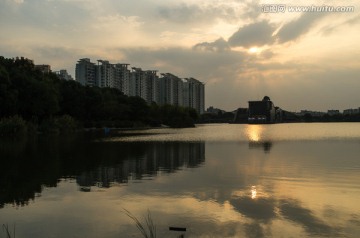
(300, 60)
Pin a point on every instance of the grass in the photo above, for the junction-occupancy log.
(7, 232)
(148, 230)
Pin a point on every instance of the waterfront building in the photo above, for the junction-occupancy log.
(312, 113)
(351, 111)
(122, 75)
(168, 89)
(151, 86)
(85, 72)
(171, 90)
(194, 94)
(333, 112)
(105, 75)
(262, 111)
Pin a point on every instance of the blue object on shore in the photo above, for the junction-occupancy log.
(106, 130)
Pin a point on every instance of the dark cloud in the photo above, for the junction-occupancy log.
(219, 45)
(296, 28)
(254, 34)
(186, 62)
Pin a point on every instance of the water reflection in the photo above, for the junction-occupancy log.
(264, 145)
(300, 189)
(150, 160)
(29, 166)
(254, 132)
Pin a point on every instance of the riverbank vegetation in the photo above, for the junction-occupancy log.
(33, 100)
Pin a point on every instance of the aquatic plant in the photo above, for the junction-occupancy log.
(149, 229)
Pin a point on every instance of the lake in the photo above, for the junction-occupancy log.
(215, 180)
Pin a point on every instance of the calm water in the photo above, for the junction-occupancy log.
(283, 180)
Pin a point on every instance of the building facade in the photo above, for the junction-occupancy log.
(85, 72)
(167, 89)
(262, 111)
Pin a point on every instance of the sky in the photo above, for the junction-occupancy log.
(239, 49)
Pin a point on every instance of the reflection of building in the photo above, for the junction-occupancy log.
(266, 145)
(262, 111)
(143, 161)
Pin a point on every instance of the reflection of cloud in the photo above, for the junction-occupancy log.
(262, 209)
(254, 230)
(292, 210)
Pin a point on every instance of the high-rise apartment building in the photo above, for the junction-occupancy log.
(171, 90)
(122, 75)
(194, 94)
(168, 89)
(85, 72)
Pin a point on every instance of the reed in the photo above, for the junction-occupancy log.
(148, 230)
(7, 232)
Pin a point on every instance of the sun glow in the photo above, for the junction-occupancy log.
(253, 192)
(253, 50)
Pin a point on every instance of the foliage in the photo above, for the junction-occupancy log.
(66, 124)
(57, 105)
(13, 126)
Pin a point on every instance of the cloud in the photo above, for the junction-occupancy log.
(202, 12)
(219, 45)
(254, 34)
(330, 29)
(298, 27)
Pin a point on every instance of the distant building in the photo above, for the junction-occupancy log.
(63, 75)
(333, 112)
(44, 68)
(213, 110)
(241, 115)
(262, 111)
(312, 113)
(351, 111)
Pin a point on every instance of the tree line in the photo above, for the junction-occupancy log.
(45, 102)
